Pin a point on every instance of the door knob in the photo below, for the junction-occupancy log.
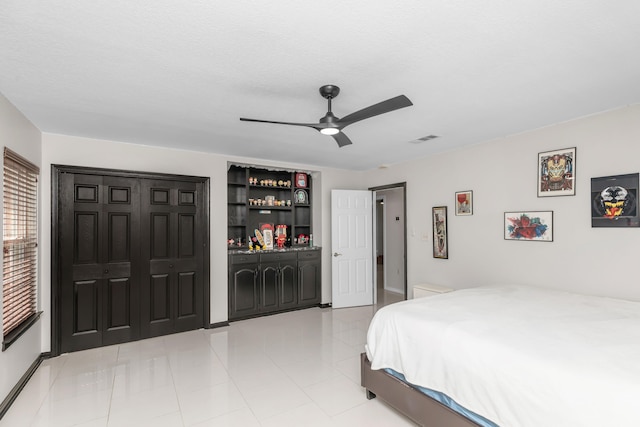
(336, 254)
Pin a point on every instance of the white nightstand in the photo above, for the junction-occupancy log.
(428, 290)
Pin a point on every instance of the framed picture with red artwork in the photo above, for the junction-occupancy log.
(464, 203)
(532, 226)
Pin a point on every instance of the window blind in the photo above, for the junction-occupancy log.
(20, 241)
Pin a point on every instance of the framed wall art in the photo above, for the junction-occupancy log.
(557, 172)
(464, 203)
(440, 246)
(529, 225)
(614, 201)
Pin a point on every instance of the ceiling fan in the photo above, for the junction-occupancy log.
(332, 125)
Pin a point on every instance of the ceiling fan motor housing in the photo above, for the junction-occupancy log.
(329, 118)
(329, 91)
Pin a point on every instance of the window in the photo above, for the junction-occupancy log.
(20, 241)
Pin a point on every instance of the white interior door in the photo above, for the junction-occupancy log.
(351, 248)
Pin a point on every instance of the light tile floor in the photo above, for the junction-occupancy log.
(293, 369)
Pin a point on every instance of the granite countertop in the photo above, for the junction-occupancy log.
(267, 251)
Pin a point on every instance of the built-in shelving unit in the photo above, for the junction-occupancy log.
(257, 196)
(265, 282)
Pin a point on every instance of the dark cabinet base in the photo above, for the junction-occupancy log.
(273, 282)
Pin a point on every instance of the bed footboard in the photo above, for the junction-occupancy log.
(411, 402)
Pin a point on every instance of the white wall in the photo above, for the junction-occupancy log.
(17, 133)
(76, 151)
(502, 175)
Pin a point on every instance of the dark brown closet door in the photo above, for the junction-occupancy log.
(99, 234)
(172, 253)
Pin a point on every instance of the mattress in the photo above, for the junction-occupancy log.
(517, 355)
(446, 401)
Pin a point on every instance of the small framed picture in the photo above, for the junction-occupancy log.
(534, 226)
(267, 234)
(301, 197)
(557, 173)
(464, 203)
(614, 201)
(440, 246)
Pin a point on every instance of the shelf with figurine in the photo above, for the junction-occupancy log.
(269, 202)
(269, 183)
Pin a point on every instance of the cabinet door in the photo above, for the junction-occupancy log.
(243, 290)
(269, 287)
(309, 282)
(288, 285)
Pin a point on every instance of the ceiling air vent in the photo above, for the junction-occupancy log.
(423, 139)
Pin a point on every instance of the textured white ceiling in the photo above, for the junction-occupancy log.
(178, 73)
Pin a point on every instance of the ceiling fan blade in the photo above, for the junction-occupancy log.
(341, 139)
(311, 125)
(392, 104)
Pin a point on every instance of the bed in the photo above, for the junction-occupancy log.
(510, 355)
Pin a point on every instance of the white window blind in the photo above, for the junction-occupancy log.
(20, 241)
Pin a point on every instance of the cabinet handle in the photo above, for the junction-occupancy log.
(170, 265)
(106, 271)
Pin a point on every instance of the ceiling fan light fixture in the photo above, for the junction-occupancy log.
(329, 131)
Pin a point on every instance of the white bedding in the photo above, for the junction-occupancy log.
(520, 356)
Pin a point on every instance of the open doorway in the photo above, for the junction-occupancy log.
(390, 234)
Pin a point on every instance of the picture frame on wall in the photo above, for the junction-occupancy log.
(440, 244)
(557, 173)
(614, 201)
(464, 203)
(534, 226)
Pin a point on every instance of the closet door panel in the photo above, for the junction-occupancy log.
(187, 300)
(119, 304)
(86, 310)
(169, 223)
(160, 299)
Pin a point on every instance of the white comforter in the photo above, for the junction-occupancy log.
(520, 356)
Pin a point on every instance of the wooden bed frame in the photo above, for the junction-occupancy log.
(421, 408)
